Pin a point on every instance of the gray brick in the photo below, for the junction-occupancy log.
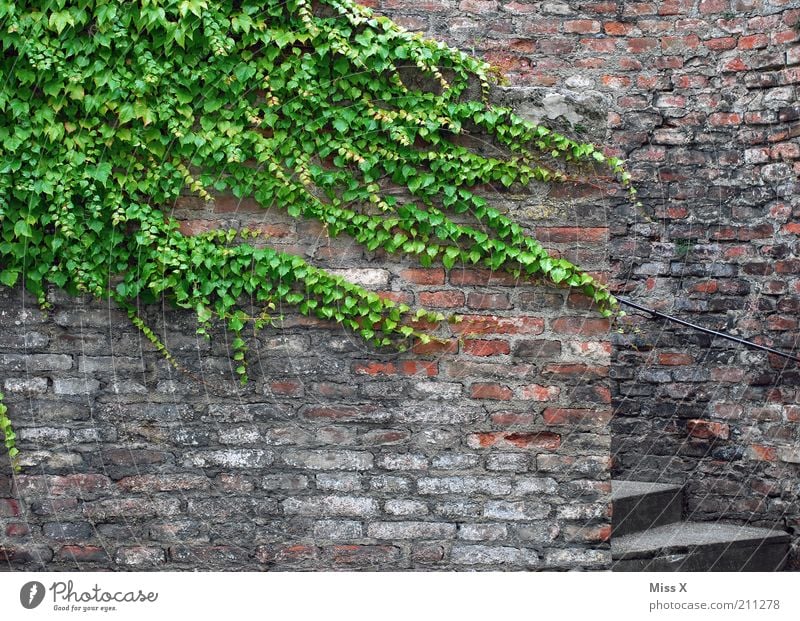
(223, 510)
(284, 481)
(577, 557)
(411, 530)
(230, 458)
(405, 507)
(436, 390)
(582, 511)
(507, 462)
(27, 340)
(442, 414)
(140, 556)
(391, 484)
(455, 461)
(338, 530)
(539, 532)
(369, 278)
(324, 506)
(339, 482)
(241, 434)
(328, 460)
(519, 510)
(44, 435)
(403, 461)
(535, 485)
(482, 532)
(459, 509)
(129, 508)
(68, 531)
(25, 386)
(493, 486)
(109, 364)
(33, 363)
(75, 386)
(491, 555)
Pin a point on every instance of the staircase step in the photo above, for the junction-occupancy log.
(639, 505)
(701, 546)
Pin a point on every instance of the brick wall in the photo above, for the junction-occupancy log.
(491, 451)
(704, 104)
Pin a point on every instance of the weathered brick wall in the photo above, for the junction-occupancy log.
(491, 451)
(704, 104)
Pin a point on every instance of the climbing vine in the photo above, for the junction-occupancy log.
(111, 110)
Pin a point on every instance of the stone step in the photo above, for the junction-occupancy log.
(639, 505)
(701, 546)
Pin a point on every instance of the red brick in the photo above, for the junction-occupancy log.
(576, 370)
(724, 118)
(708, 7)
(17, 529)
(640, 8)
(287, 388)
(447, 346)
(785, 151)
(478, 6)
(734, 64)
(709, 286)
(781, 323)
(617, 29)
(601, 8)
(459, 277)
(540, 26)
(374, 368)
(576, 416)
(196, 227)
(753, 42)
(483, 347)
(504, 439)
(420, 276)
(536, 392)
(83, 554)
(581, 325)
(416, 367)
(512, 418)
(9, 507)
(587, 534)
(566, 234)
(720, 44)
(493, 301)
(630, 64)
(488, 390)
(675, 7)
(616, 81)
(508, 63)
(344, 413)
(674, 359)
(230, 204)
(783, 37)
(489, 324)
(441, 299)
(690, 81)
(582, 26)
(599, 46)
(280, 553)
(677, 45)
(363, 555)
(759, 452)
(707, 430)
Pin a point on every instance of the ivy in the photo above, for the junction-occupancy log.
(111, 110)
